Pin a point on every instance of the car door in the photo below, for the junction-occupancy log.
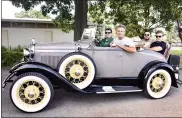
(108, 61)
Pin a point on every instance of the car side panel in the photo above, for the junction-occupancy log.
(108, 61)
(134, 62)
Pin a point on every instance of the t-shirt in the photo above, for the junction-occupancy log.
(162, 44)
(146, 43)
(106, 43)
(124, 42)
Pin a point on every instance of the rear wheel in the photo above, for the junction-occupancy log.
(31, 92)
(78, 68)
(158, 84)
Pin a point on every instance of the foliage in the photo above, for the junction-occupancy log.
(61, 8)
(179, 28)
(3, 48)
(18, 49)
(177, 52)
(137, 15)
(172, 35)
(31, 14)
(10, 57)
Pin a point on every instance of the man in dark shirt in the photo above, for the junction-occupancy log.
(108, 38)
(158, 45)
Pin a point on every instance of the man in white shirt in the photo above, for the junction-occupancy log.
(147, 40)
(122, 41)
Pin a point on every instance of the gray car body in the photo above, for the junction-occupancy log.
(110, 62)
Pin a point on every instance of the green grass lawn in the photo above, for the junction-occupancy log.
(178, 52)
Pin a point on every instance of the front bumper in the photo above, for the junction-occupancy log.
(7, 79)
(11, 75)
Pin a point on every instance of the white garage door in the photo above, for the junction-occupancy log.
(5, 38)
(48, 36)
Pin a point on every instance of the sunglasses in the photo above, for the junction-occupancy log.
(107, 32)
(147, 34)
(158, 36)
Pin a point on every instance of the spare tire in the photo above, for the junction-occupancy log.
(78, 68)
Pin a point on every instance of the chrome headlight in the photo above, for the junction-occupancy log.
(32, 49)
(177, 68)
(26, 52)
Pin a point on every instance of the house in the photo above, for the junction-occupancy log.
(20, 31)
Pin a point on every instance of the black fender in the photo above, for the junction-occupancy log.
(151, 67)
(54, 76)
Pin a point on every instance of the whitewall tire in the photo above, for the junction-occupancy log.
(31, 92)
(78, 68)
(158, 84)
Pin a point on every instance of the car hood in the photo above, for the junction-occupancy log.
(60, 45)
(153, 55)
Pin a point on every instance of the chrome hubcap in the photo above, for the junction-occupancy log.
(157, 83)
(31, 92)
(76, 71)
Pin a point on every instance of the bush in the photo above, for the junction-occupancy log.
(18, 49)
(10, 57)
(3, 48)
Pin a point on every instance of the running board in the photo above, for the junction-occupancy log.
(179, 82)
(115, 89)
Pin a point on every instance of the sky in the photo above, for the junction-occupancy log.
(8, 10)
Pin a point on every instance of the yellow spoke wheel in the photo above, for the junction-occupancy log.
(31, 92)
(158, 84)
(78, 68)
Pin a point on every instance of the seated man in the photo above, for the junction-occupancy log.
(146, 42)
(108, 38)
(122, 41)
(158, 45)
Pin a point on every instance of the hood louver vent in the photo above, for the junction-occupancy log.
(50, 60)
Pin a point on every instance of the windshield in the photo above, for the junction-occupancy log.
(89, 33)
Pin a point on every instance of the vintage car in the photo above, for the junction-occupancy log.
(83, 66)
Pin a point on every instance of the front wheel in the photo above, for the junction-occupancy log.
(78, 68)
(158, 84)
(31, 92)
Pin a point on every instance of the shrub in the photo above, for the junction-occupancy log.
(10, 57)
(18, 49)
(3, 48)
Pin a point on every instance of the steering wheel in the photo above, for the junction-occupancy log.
(97, 42)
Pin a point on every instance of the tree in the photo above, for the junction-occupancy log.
(65, 19)
(139, 15)
(31, 14)
(179, 28)
(81, 9)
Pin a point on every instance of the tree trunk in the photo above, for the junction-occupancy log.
(179, 25)
(81, 9)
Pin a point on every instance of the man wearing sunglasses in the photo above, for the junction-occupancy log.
(108, 38)
(146, 42)
(158, 45)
